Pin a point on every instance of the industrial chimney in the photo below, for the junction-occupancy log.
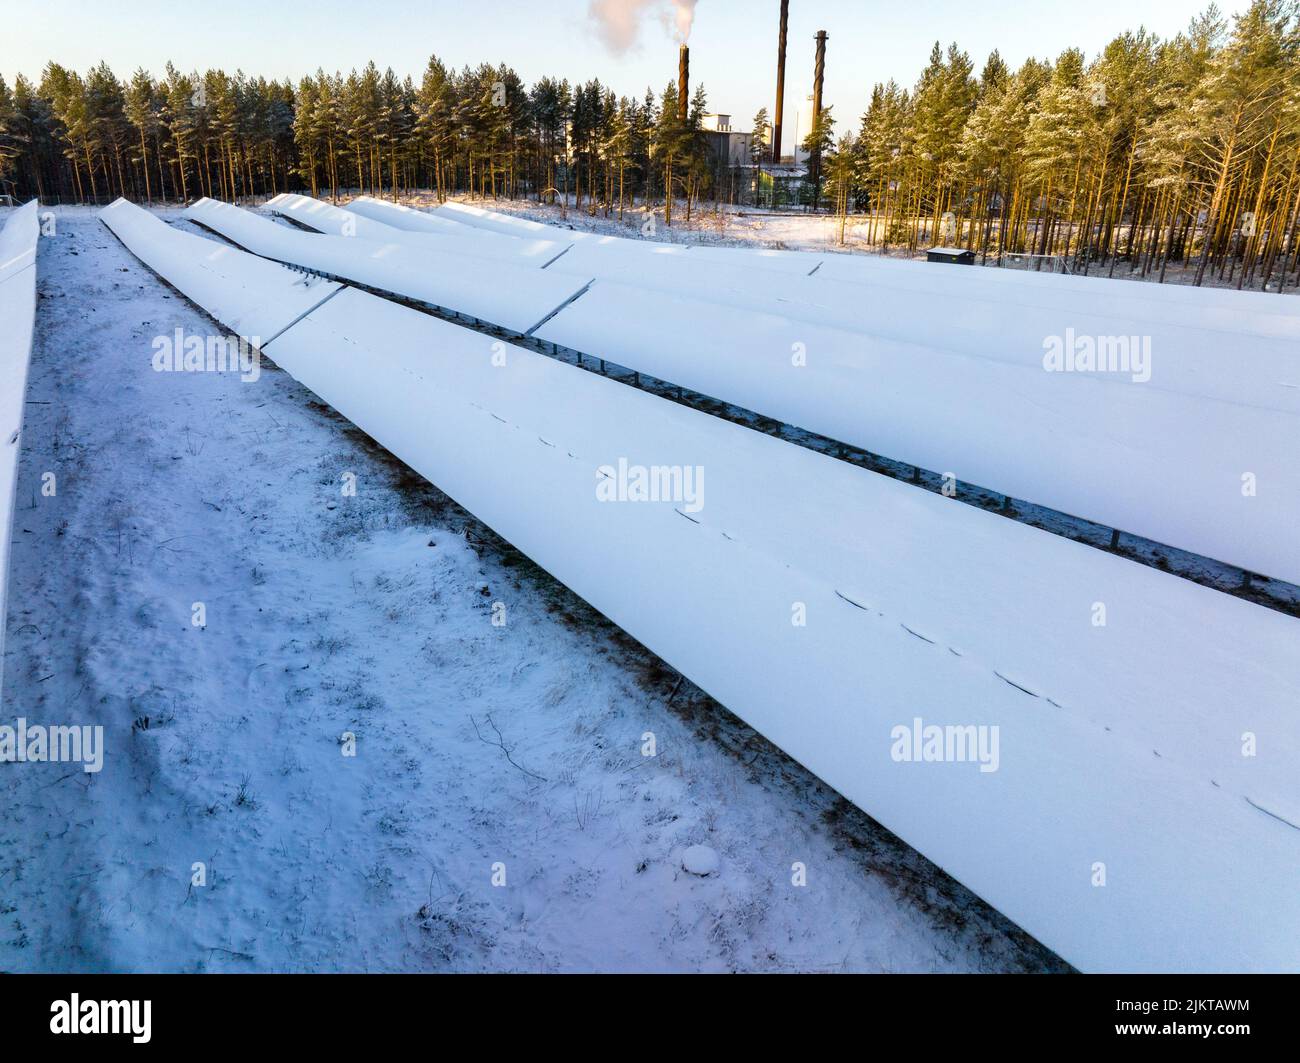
(780, 83)
(683, 83)
(819, 73)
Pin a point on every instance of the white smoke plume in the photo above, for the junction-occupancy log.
(683, 15)
(618, 22)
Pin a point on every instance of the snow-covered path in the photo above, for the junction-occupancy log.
(373, 615)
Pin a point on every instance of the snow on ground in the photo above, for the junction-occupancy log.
(476, 744)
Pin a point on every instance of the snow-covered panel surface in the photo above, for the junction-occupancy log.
(326, 218)
(495, 221)
(1252, 361)
(672, 269)
(400, 217)
(614, 256)
(484, 220)
(253, 297)
(897, 389)
(1170, 303)
(657, 265)
(795, 263)
(1166, 466)
(860, 266)
(742, 280)
(448, 238)
(1253, 313)
(512, 296)
(1243, 348)
(18, 240)
(1118, 744)
(527, 249)
(648, 263)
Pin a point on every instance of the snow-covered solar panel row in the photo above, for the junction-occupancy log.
(647, 263)
(585, 254)
(612, 256)
(1043, 288)
(254, 297)
(887, 285)
(1222, 354)
(1258, 367)
(621, 247)
(1248, 352)
(976, 402)
(672, 266)
(1179, 332)
(497, 222)
(512, 296)
(443, 235)
(1045, 283)
(18, 239)
(1119, 750)
(328, 218)
(1238, 313)
(1214, 477)
(527, 250)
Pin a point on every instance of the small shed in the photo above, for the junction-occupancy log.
(956, 255)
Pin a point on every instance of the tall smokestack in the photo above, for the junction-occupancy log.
(780, 82)
(819, 73)
(683, 82)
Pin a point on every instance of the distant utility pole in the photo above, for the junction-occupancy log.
(780, 83)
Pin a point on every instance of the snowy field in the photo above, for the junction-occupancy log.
(518, 744)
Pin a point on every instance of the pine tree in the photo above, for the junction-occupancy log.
(818, 144)
(841, 178)
(141, 111)
(1154, 153)
(668, 140)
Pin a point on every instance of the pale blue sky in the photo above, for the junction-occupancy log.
(733, 42)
